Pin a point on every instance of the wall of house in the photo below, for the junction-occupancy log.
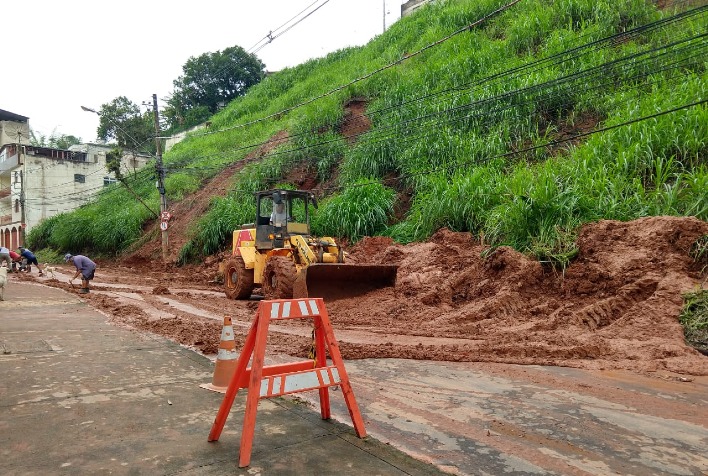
(55, 185)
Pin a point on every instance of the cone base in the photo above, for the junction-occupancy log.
(213, 388)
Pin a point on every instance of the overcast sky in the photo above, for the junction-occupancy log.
(60, 56)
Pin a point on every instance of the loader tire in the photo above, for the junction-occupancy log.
(278, 278)
(238, 281)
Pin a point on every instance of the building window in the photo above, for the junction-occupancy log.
(17, 205)
(79, 178)
(17, 177)
(108, 180)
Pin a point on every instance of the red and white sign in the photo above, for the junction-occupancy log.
(163, 225)
(165, 216)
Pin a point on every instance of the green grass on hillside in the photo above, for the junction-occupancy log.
(694, 318)
(493, 131)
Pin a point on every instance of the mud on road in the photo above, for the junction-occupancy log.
(616, 306)
(623, 394)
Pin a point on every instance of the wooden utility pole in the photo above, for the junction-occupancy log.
(164, 217)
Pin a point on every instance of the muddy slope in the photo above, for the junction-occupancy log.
(616, 307)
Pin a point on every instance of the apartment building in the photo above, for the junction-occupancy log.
(39, 182)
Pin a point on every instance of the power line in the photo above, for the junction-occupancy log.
(468, 163)
(382, 136)
(603, 71)
(366, 76)
(270, 37)
(568, 55)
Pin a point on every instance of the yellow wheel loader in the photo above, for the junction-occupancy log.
(278, 254)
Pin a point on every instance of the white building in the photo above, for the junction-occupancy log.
(13, 129)
(40, 182)
(412, 5)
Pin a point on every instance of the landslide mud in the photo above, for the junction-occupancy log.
(615, 307)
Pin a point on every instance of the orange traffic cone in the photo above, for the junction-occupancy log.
(226, 359)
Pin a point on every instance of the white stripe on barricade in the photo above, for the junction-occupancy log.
(297, 382)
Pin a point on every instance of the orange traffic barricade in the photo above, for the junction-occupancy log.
(274, 380)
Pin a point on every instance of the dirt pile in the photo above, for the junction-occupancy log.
(616, 307)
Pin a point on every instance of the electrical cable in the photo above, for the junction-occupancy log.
(608, 41)
(397, 125)
(271, 38)
(281, 26)
(366, 76)
(598, 71)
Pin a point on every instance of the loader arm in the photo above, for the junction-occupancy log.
(307, 256)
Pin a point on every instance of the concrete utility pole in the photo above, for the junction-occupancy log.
(164, 217)
(384, 16)
(23, 224)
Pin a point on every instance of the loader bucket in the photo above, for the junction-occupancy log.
(338, 281)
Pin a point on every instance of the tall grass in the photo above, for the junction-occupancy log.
(456, 125)
(694, 318)
(363, 209)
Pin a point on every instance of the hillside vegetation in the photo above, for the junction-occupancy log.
(535, 120)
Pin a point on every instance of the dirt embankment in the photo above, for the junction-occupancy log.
(616, 307)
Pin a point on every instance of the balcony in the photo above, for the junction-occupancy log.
(6, 219)
(8, 163)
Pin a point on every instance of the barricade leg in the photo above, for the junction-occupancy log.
(322, 362)
(254, 391)
(231, 391)
(347, 391)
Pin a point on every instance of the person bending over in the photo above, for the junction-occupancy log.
(84, 267)
(31, 259)
(5, 256)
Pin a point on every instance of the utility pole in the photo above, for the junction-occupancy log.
(384, 16)
(22, 189)
(164, 217)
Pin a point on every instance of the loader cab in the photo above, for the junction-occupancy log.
(281, 213)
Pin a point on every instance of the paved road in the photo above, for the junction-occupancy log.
(473, 418)
(81, 396)
(465, 418)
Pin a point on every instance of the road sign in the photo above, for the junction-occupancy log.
(165, 216)
(163, 225)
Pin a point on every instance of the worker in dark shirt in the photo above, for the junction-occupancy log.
(31, 259)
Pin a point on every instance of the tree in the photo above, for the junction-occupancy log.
(113, 163)
(122, 121)
(54, 141)
(211, 80)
